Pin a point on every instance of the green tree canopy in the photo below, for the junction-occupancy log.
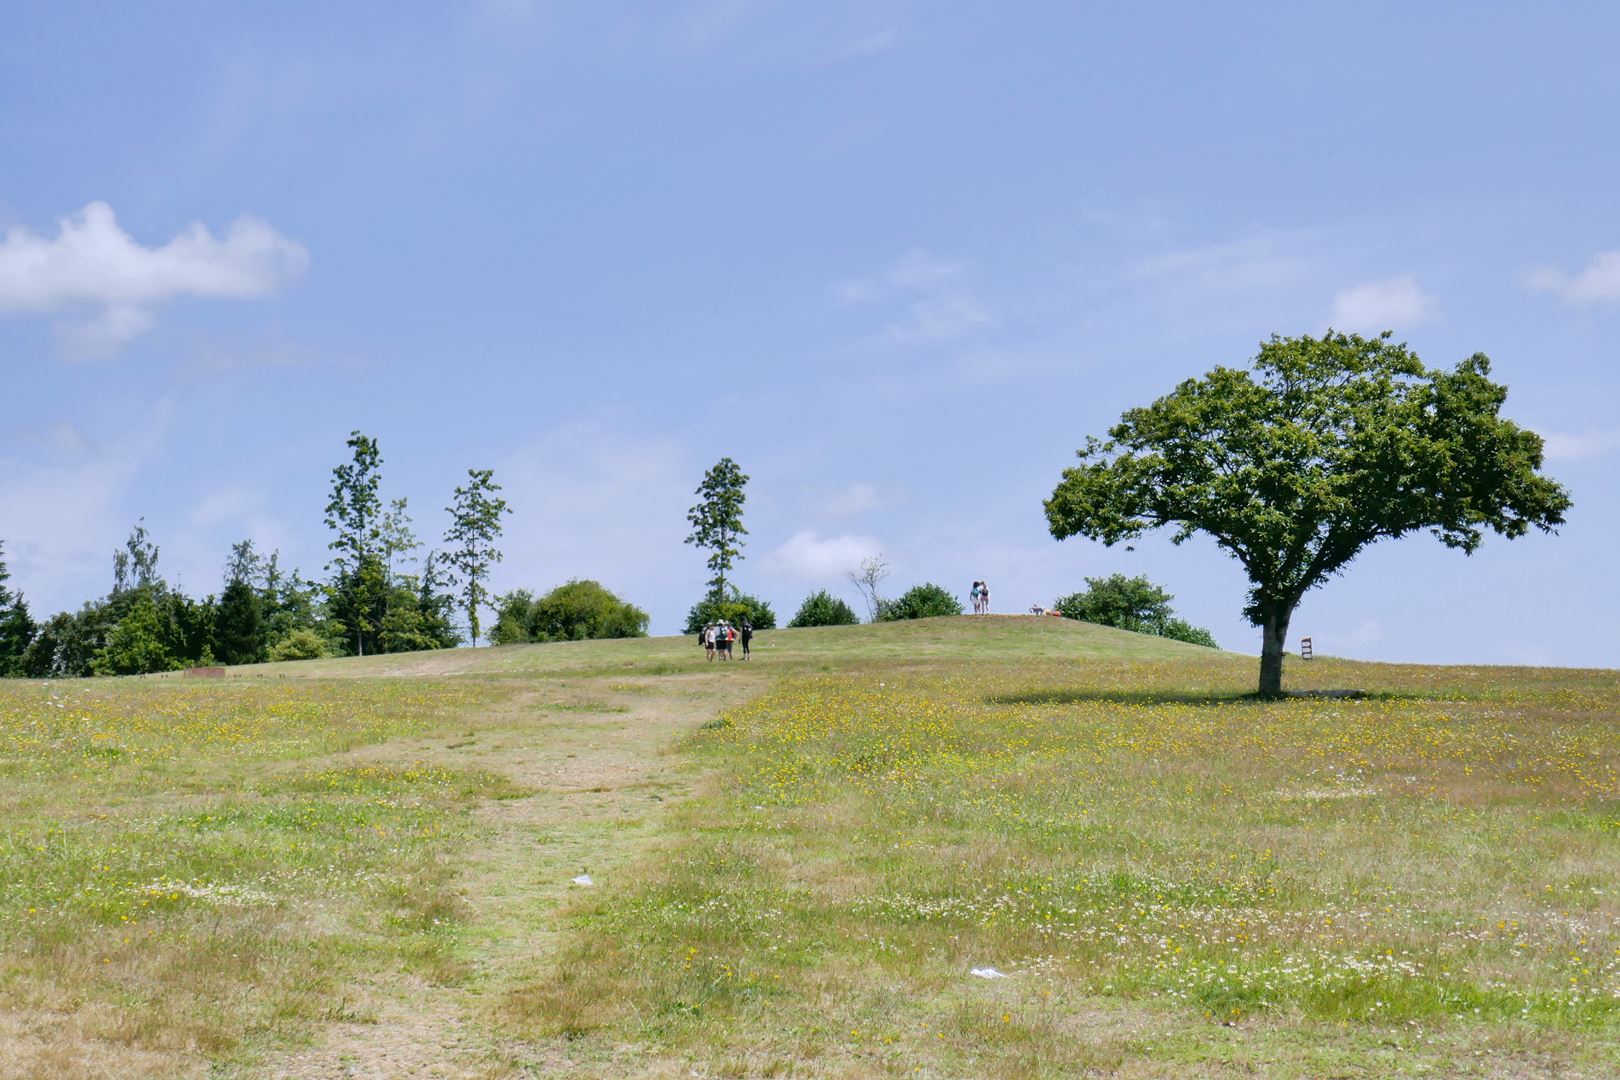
(824, 609)
(717, 521)
(1322, 447)
(919, 602)
(135, 644)
(1130, 603)
(580, 610)
(475, 526)
(735, 608)
(16, 626)
(355, 594)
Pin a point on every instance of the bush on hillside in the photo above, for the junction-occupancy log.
(734, 609)
(1182, 630)
(1131, 603)
(824, 609)
(304, 644)
(581, 610)
(919, 602)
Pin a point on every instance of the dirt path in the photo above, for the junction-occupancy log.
(598, 754)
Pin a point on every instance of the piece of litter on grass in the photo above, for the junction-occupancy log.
(584, 879)
(988, 973)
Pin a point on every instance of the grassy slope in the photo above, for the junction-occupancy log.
(822, 648)
(334, 871)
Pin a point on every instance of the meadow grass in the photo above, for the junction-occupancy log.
(1172, 877)
(363, 867)
(186, 868)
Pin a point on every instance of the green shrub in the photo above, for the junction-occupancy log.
(737, 607)
(299, 645)
(581, 610)
(1131, 603)
(1182, 630)
(919, 602)
(824, 609)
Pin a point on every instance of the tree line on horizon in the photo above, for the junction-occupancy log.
(370, 601)
(1293, 466)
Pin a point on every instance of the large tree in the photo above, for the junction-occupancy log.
(354, 514)
(1296, 464)
(475, 526)
(717, 521)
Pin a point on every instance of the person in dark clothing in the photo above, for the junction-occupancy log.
(747, 636)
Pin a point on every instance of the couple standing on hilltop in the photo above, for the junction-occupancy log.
(980, 595)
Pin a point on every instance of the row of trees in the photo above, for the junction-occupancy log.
(378, 596)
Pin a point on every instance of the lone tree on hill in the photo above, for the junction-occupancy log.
(475, 525)
(1294, 466)
(867, 577)
(717, 521)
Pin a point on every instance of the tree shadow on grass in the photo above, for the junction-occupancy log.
(1125, 697)
(1203, 697)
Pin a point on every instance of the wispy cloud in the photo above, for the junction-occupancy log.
(880, 41)
(93, 263)
(1261, 258)
(1598, 282)
(928, 297)
(809, 555)
(1568, 447)
(939, 318)
(857, 498)
(1375, 306)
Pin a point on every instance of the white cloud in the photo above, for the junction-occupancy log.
(807, 555)
(92, 262)
(1261, 259)
(944, 317)
(1585, 445)
(917, 269)
(856, 291)
(1598, 283)
(103, 335)
(933, 304)
(858, 498)
(1375, 306)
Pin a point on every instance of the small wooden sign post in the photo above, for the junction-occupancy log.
(1304, 648)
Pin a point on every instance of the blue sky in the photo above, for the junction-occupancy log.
(898, 260)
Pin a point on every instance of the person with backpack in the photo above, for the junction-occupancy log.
(747, 636)
(973, 594)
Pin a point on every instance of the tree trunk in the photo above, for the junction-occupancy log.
(1273, 644)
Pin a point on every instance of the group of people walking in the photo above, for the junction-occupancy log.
(718, 638)
(980, 595)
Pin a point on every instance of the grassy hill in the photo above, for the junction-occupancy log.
(367, 867)
(995, 637)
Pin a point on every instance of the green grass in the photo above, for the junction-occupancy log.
(798, 861)
(822, 648)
